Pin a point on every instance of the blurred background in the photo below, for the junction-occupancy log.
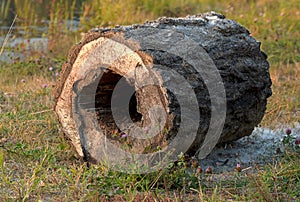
(274, 22)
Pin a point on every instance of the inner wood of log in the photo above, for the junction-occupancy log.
(103, 98)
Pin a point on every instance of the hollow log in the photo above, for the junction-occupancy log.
(119, 83)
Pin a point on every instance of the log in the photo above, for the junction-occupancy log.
(161, 88)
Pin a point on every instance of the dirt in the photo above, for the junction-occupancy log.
(261, 147)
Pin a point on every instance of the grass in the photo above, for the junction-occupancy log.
(38, 164)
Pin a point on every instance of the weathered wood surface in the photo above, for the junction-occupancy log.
(242, 65)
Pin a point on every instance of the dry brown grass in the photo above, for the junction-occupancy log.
(284, 105)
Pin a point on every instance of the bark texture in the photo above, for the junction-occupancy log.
(84, 93)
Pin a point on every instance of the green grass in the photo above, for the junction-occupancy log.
(38, 164)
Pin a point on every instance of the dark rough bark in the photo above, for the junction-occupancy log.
(242, 65)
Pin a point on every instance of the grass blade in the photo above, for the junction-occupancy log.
(7, 35)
